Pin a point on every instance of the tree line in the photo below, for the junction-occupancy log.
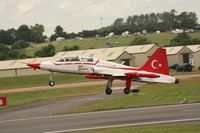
(29, 34)
(164, 22)
(153, 22)
(13, 39)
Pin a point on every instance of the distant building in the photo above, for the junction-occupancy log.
(47, 40)
(157, 32)
(60, 39)
(178, 31)
(78, 38)
(126, 34)
(111, 34)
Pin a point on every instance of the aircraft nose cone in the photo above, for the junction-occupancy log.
(35, 65)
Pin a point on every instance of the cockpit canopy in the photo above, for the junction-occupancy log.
(75, 59)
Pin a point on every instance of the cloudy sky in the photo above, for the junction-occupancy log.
(76, 15)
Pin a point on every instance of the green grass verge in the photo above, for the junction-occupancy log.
(177, 128)
(163, 39)
(39, 80)
(151, 94)
(15, 99)
(173, 72)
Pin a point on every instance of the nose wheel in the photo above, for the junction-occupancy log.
(109, 86)
(51, 83)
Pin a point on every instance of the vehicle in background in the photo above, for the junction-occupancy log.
(186, 67)
(173, 67)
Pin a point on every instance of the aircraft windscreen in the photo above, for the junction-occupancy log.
(89, 59)
(60, 60)
(75, 58)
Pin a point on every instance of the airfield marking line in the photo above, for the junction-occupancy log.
(86, 99)
(125, 125)
(189, 110)
(97, 112)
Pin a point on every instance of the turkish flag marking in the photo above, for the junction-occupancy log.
(3, 101)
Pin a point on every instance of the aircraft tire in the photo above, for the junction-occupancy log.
(51, 83)
(108, 91)
(127, 91)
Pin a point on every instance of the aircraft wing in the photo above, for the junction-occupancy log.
(137, 74)
(104, 73)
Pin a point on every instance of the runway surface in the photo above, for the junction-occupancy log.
(104, 119)
(54, 106)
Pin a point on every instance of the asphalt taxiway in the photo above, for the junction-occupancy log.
(104, 119)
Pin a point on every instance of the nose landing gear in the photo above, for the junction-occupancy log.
(108, 86)
(51, 82)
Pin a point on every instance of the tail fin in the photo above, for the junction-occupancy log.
(157, 63)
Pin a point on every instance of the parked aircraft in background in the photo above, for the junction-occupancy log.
(154, 70)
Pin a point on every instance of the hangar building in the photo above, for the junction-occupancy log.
(110, 54)
(12, 68)
(178, 55)
(195, 59)
(141, 52)
(132, 55)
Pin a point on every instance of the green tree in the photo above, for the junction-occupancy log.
(118, 22)
(181, 39)
(187, 20)
(3, 52)
(11, 35)
(74, 48)
(37, 33)
(46, 51)
(139, 40)
(20, 44)
(23, 33)
(59, 32)
(13, 54)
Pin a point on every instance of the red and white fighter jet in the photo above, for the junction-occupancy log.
(154, 70)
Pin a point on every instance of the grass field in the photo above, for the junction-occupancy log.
(151, 94)
(39, 80)
(15, 99)
(177, 128)
(163, 39)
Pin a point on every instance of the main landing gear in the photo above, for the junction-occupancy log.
(51, 82)
(127, 90)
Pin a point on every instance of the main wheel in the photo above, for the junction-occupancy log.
(108, 91)
(127, 91)
(51, 83)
